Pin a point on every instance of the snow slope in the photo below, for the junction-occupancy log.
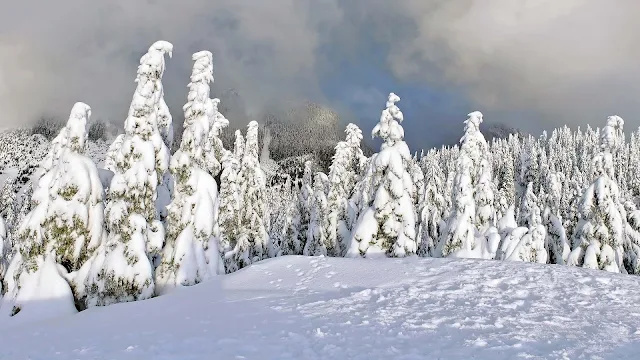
(335, 308)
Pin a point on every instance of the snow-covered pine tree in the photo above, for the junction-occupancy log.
(123, 270)
(253, 235)
(557, 244)
(532, 245)
(191, 254)
(504, 179)
(484, 198)
(230, 201)
(388, 226)
(305, 203)
(337, 203)
(66, 225)
(282, 233)
(155, 56)
(343, 174)
(528, 173)
(4, 251)
(461, 237)
(316, 233)
(111, 156)
(433, 206)
(599, 236)
(632, 243)
(215, 148)
(633, 175)
(164, 121)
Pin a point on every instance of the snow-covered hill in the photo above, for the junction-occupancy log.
(335, 308)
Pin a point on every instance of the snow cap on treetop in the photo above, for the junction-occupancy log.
(475, 118)
(203, 67)
(354, 134)
(162, 46)
(612, 132)
(204, 54)
(75, 130)
(253, 125)
(393, 99)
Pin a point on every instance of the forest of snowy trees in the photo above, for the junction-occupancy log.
(156, 217)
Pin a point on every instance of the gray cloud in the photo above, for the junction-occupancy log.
(569, 61)
(55, 53)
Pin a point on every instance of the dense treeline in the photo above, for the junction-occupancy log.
(158, 212)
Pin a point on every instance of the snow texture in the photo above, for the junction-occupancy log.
(331, 308)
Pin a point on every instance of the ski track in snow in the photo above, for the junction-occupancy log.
(332, 308)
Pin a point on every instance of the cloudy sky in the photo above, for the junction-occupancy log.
(532, 64)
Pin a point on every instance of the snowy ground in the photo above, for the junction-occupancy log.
(331, 308)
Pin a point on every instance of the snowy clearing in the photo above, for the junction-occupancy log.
(297, 307)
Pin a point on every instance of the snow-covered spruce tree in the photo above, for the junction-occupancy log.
(388, 226)
(433, 207)
(155, 55)
(632, 243)
(215, 149)
(123, 269)
(557, 243)
(531, 247)
(528, 172)
(504, 179)
(633, 175)
(164, 121)
(305, 203)
(251, 245)
(66, 225)
(483, 196)
(112, 153)
(599, 236)
(190, 254)
(316, 233)
(203, 112)
(5, 251)
(343, 173)
(461, 237)
(282, 233)
(230, 201)
(292, 244)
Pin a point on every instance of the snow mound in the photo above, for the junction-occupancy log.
(335, 308)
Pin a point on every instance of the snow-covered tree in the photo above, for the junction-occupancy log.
(599, 236)
(528, 172)
(433, 206)
(305, 203)
(316, 244)
(191, 254)
(343, 173)
(123, 270)
(66, 225)
(484, 198)
(388, 226)
(251, 245)
(215, 148)
(4, 251)
(558, 246)
(155, 56)
(461, 236)
(282, 235)
(230, 201)
(504, 179)
(531, 247)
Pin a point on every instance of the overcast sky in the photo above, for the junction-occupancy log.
(532, 64)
